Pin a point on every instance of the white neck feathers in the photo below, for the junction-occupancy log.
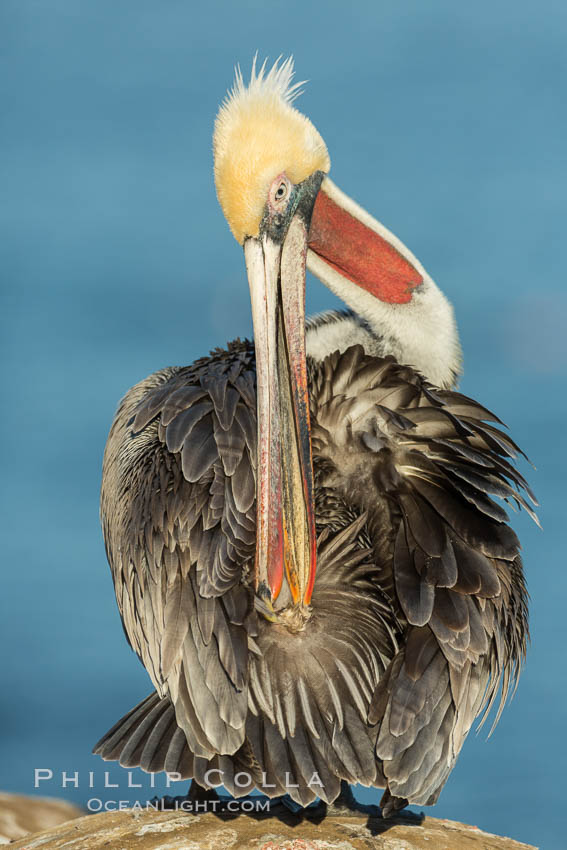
(421, 333)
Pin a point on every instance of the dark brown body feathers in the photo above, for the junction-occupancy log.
(419, 610)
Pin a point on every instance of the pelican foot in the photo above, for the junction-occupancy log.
(297, 808)
(344, 805)
(197, 800)
(196, 792)
(347, 804)
(391, 805)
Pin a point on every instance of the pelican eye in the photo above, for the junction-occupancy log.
(281, 192)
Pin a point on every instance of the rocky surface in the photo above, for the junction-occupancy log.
(176, 830)
(20, 815)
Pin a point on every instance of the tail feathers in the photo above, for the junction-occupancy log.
(149, 737)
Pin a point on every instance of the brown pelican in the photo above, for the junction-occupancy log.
(305, 548)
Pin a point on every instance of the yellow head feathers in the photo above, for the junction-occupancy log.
(258, 135)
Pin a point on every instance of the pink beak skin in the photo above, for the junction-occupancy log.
(345, 243)
(285, 534)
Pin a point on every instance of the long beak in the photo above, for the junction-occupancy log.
(285, 533)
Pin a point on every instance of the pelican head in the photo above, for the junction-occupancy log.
(258, 136)
(271, 168)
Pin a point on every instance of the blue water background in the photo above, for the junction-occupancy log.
(447, 121)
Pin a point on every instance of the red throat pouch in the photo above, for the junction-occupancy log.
(360, 254)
